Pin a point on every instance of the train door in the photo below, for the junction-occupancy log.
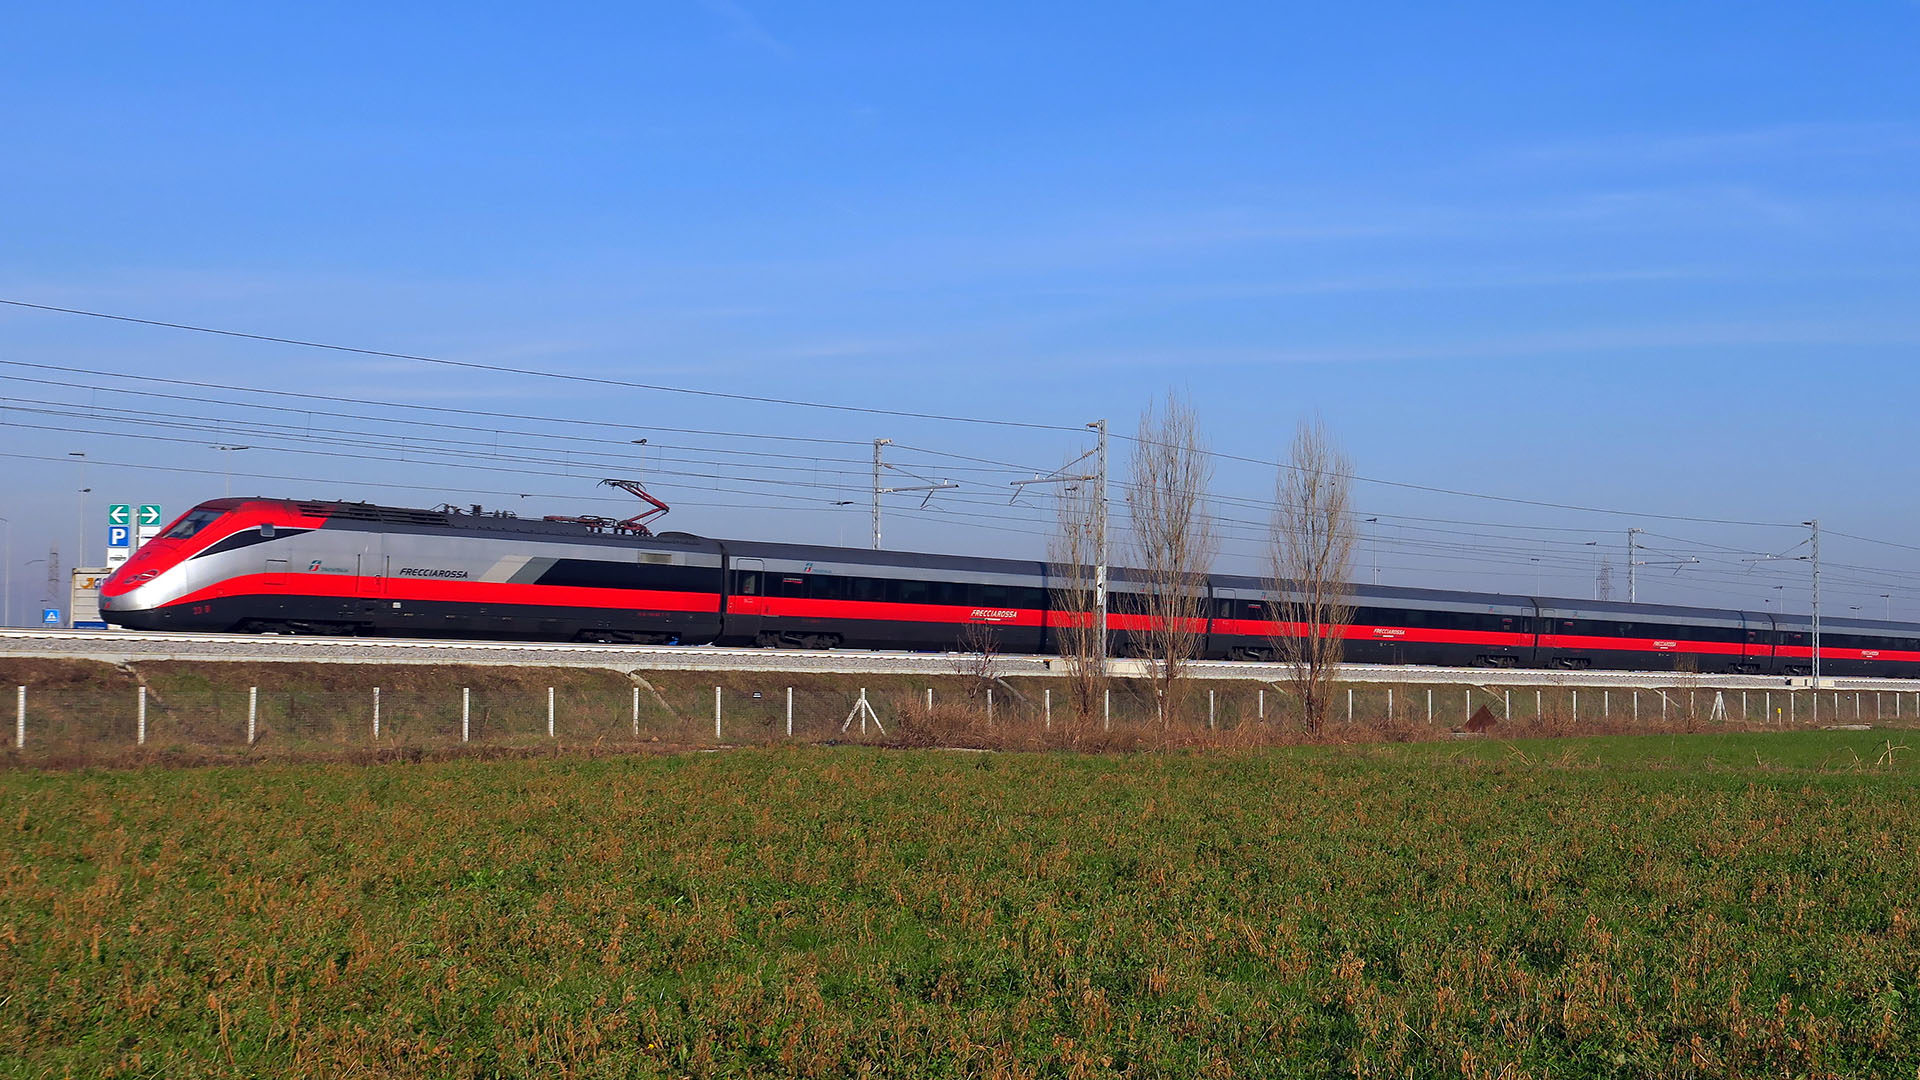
(746, 595)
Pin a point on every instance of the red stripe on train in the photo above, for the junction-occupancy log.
(349, 586)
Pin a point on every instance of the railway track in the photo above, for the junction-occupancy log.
(124, 646)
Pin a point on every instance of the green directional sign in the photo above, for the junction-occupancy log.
(119, 513)
(149, 513)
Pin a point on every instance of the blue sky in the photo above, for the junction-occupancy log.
(1659, 258)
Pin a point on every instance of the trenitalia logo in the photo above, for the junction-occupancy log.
(994, 614)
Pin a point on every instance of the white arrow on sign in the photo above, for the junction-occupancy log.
(149, 513)
(118, 513)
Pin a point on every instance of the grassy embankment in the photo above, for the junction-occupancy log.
(1733, 905)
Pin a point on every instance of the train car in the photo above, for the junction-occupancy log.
(802, 596)
(1858, 647)
(1652, 637)
(282, 566)
(1389, 625)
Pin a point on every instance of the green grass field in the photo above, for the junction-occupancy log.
(1738, 905)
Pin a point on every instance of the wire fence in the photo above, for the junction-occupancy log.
(61, 722)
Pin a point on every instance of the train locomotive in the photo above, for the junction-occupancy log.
(287, 566)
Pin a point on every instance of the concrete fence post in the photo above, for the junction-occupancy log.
(376, 714)
(1468, 714)
(549, 712)
(1106, 711)
(1793, 706)
(1576, 705)
(1389, 704)
(1606, 703)
(1210, 708)
(253, 712)
(1429, 704)
(1506, 704)
(789, 712)
(636, 712)
(1743, 706)
(20, 719)
(1538, 710)
(716, 714)
(929, 701)
(141, 732)
(1262, 713)
(989, 704)
(466, 713)
(1636, 705)
(1046, 700)
(1768, 705)
(1349, 704)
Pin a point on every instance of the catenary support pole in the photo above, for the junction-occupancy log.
(253, 712)
(1100, 546)
(1815, 526)
(877, 444)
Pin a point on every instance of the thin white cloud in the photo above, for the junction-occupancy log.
(746, 25)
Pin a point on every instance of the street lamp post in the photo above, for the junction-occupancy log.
(229, 464)
(80, 549)
(1373, 546)
(6, 606)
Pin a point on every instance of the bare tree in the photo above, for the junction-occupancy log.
(1173, 543)
(978, 658)
(1073, 553)
(1312, 560)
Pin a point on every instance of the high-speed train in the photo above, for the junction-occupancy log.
(285, 566)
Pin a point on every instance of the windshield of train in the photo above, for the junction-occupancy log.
(190, 524)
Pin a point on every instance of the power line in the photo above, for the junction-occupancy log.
(504, 369)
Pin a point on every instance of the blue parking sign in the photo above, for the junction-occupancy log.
(50, 616)
(119, 536)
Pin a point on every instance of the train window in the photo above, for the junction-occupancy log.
(995, 595)
(793, 586)
(866, 589)
(191, 524)
(748, 583)
(916, 592)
